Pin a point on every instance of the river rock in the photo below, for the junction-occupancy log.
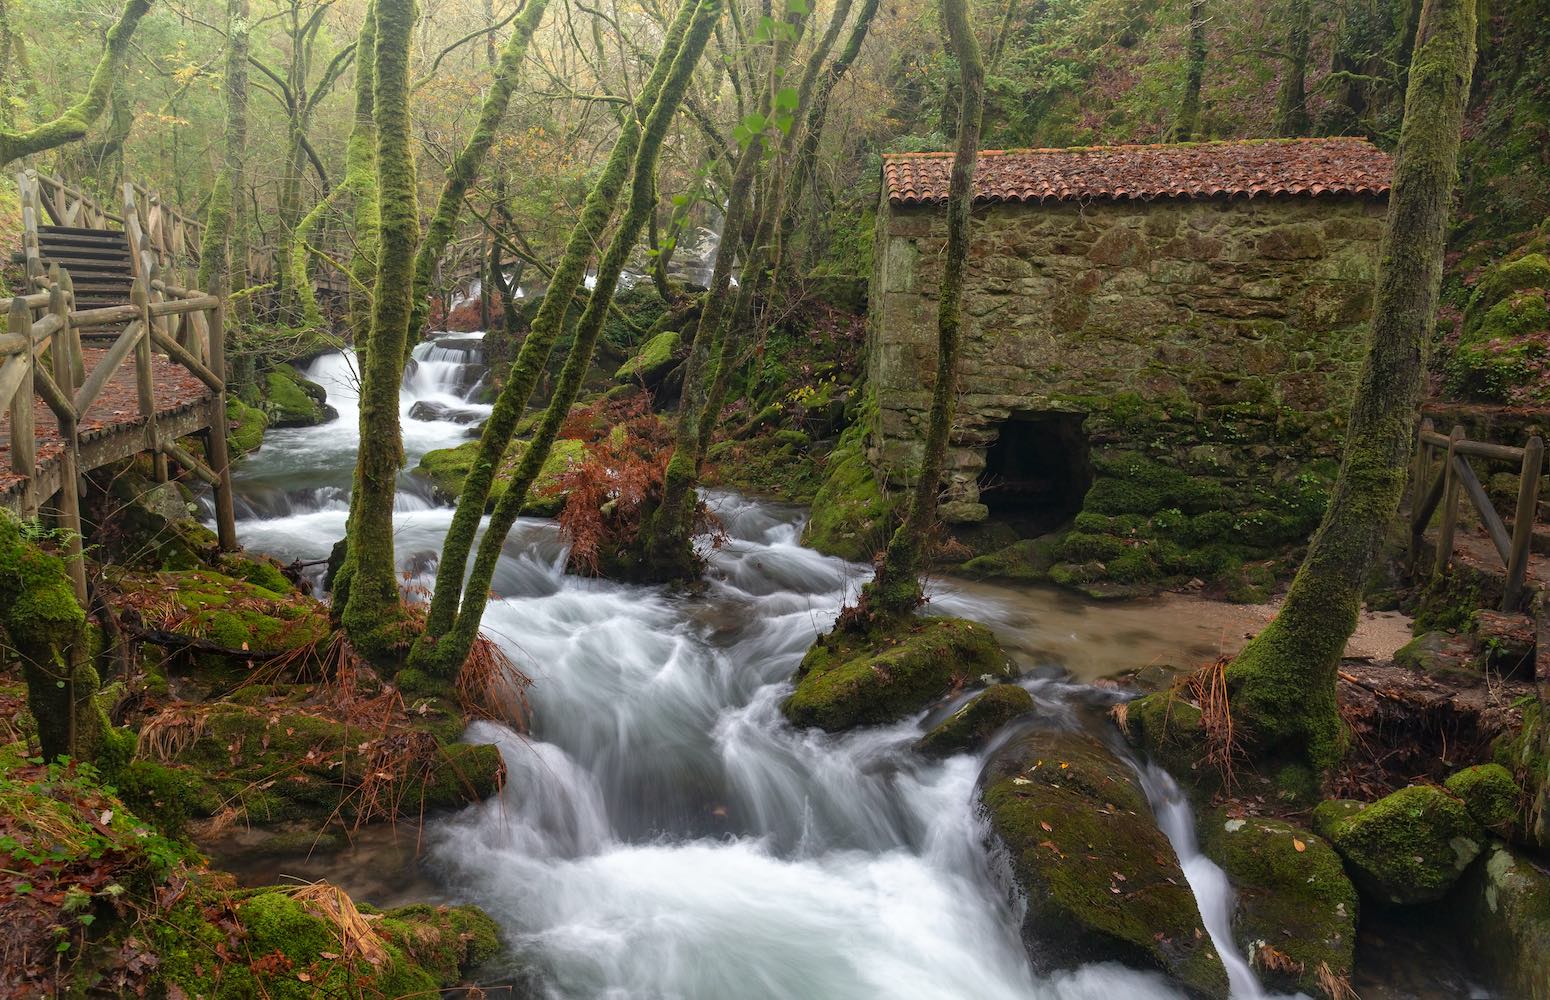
(1410, 846)
(1490, 794)
(1296, 917)
(972, 726)
(430, 410)
(652, 362)
(1505, 915)
(293, 401)
(848, 679)
(1101, 880)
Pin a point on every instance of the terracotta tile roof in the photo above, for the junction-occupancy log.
(1186, 170)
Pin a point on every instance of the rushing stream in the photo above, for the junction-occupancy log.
(663, 832)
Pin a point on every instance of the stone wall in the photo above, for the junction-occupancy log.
(1214, 340)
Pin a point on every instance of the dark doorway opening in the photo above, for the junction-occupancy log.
(1037, 471)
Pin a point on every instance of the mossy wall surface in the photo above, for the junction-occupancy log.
(1221, 338)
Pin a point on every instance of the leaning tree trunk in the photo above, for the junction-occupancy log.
(896, 588)
(1282, 686)
(532, 359)
(218, 253)
(464, 170)
(1194, 73)
(372, 612)
(642, 203)
(1292, 97)
(73, 124)
(360, 180)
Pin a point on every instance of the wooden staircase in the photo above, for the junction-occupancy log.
(97, 259)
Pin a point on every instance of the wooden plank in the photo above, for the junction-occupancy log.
(178, 307)
(1450, 505)
(106, 316)
(1523, 521)
(1492, 520)
(178, 353)
(145, 379)
(24, 442)
(1484, 449)
(57, 389)
(192, 464)
(97, 379)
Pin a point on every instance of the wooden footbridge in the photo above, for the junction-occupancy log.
(108, 355)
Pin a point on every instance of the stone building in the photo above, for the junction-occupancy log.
(1132, 313)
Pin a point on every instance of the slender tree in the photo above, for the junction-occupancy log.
(1291, 96)
(218, 253)
(677, 65)
(372, 610)
(465, 168)
(896, 587)
(360, 181)
(533, 357)
(1194, 73)
(73, 123)
(1282, 686)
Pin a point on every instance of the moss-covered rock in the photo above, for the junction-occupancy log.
(1526, 754)
(1026, 561)
(1296, 917)
(972, 726)
(293, 401)
(245, 426)
(653, 361)
(1410, 846)
(852, 512)
(1505, 917)
(848, 680)
(1490, 795)
(204, 604)
(446, 468)
(1101, 880)
(1166, 728)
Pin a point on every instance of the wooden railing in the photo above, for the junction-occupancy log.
(1434, 485)
(187, 326)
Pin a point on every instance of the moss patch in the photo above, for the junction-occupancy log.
(848, 680)
(293, 401)
(1026, 561)
(1490, 795)
(1409, 846)
(655, 357)
(446, 468)
(974, 724)
(851, 511)
(245, 426)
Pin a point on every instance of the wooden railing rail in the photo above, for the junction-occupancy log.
(187, 327)
(1441, 485)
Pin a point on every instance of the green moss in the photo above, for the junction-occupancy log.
(245, 426)
(1100, 879)
(1490, 795)
(446, 941)
(651, 361)
(972, 726)
(1293, 897)
(1028, 560)
(261, 571)
(447, 468)
(292, 401)
(1410, 846)
(1167, 729)
(851, 513)
(1501, 281)
(233, 613)
(848, 680)
(1503, 918)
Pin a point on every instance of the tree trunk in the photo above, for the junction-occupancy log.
(532, 358)
(218, 254)
(72, 125)
(1292, 97)
(1282, 686)
(642, 203)
(372, 612)
(360, 179)
(464, 170)
(1194, 73)
(896, 588)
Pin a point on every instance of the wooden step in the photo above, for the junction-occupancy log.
(80, 231)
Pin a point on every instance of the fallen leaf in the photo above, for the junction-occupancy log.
(1299, 845)
(1047, 828)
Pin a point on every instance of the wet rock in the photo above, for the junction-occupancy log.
(652, 362)
(848, 680)
(429, 410)
(1296, 917)
(1490, 794)
(1101, 880)
(1505, 915)
(293, 401)
(446, 468)
(1438, 653)
(1028, 560)
(972, 726)
(1408, 847)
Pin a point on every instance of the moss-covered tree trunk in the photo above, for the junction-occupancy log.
(1194, 74)
(218, 253)
(47, 628)
(532, 359)
(371, 613)
(1292, 96)
(360, 180)
(73, 123)
(1282, 685)
(642, 202)
(896, 588)
(464, 169)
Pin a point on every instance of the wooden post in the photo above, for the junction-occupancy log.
(1419, 483)
(145, 378)
(30, 221)
(220, 457)
(77, 359)
(69, 466)
(24, 454)
(1450, 503)
(1523, 521)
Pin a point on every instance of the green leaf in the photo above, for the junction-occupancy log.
(797, 7)
(787, 99)
(22, 888)
(756, 123)
(680, 199)
(742, 135)
(784, 123)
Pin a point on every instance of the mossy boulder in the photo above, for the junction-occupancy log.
(848, 679)
(652, 362)
(1410, 846)
(1525, 752)
(1296, 916)
(1027, 560)
(852, 512)
(446, 468)
(245, 426)
(1166, 728)
(1100, 879)
(1504, 915)
(204, 604)
(293, 401)
(972, 726)
(1490, 794)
